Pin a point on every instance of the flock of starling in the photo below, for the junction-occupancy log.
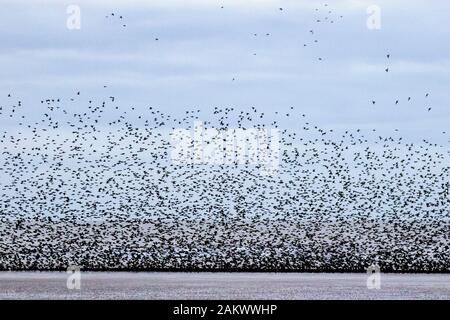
(89, 182)
(101, 192)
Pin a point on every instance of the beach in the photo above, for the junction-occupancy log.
(206, 285)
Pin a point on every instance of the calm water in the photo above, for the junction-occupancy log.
(157, 285)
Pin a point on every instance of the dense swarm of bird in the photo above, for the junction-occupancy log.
(97, 188)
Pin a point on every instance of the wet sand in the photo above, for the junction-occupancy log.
(160, 285)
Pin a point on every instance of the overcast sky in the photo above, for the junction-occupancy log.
(202, 47)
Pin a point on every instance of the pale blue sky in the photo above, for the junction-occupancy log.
(202, 47)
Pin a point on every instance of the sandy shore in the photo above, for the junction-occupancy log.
(158, 285)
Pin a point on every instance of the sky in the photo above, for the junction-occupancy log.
(202, 47)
